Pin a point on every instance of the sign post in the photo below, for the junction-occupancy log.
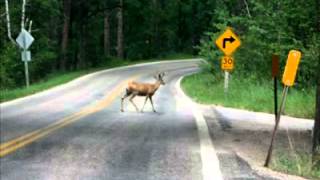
(288, 79)
(227, 42)
(275, 73)
(24, 40)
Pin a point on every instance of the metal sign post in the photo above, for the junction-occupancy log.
(226, 81)
(275, 73)
(26, 70)
(25, 40)
(288, 79)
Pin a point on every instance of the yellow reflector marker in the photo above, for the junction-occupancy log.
(291, 68)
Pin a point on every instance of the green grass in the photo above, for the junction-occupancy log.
(298, 164)
(51, 81)
(247, 93)
(58, 78)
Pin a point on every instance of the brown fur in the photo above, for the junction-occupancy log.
(142, 89)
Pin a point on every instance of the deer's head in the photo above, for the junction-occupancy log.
(159, 78)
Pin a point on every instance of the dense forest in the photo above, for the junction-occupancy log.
(79, 34)
(71, 35)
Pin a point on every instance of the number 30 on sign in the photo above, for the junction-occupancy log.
(227, 63)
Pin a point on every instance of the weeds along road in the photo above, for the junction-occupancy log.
(76, 131)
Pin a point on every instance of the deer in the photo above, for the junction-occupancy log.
(142, 89)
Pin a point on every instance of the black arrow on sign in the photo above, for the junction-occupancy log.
(231, 39)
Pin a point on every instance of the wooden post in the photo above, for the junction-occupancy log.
(282, 105)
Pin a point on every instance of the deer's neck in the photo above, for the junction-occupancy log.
(156, 85)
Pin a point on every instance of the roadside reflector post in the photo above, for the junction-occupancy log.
(288, 79)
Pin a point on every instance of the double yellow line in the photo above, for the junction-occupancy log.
(14, 144)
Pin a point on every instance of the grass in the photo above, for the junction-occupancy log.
(298, 164)
(58, 78)
(247, 93)
(53, 80)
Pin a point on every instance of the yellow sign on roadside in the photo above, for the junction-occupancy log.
(227, 63)
(228, 42)
(291, 68)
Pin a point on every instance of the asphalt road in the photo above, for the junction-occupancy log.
(77, 131)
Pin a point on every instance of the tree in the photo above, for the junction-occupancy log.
(316, 129)
(120, 31)
(9, 23)
(106, 39)
(65, 32)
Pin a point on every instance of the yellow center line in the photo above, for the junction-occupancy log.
(19, 142)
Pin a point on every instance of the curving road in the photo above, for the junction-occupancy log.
(76, 131)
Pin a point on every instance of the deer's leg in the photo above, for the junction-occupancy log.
(145, 101)
(131, 100)
(150, 97)
(123, 97)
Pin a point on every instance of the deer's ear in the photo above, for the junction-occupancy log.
(161, 75)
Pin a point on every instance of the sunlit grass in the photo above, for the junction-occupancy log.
(247, 93)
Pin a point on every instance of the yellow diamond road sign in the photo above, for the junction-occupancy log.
(228, 42)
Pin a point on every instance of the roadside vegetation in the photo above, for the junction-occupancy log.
(247, 93)
(297, 163)
(57, 78)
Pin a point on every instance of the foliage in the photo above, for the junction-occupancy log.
(299, 163)
(152, 29)
(272, 27)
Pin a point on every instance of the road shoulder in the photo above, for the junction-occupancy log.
(240, 153)
(210, 162)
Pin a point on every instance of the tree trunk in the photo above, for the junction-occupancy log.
(65, 32)
(180, 27)
(120, 31)
(155, 27)
(318, 15)
(9, 23)
(106, 43)
(23, 12)
(316, 129)
(81, 56)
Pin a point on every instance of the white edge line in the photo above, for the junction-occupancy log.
(85, 77)
(210, 162)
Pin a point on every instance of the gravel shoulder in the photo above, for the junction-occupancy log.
(246, 136)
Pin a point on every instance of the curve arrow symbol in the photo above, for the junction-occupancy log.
(231, 40)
